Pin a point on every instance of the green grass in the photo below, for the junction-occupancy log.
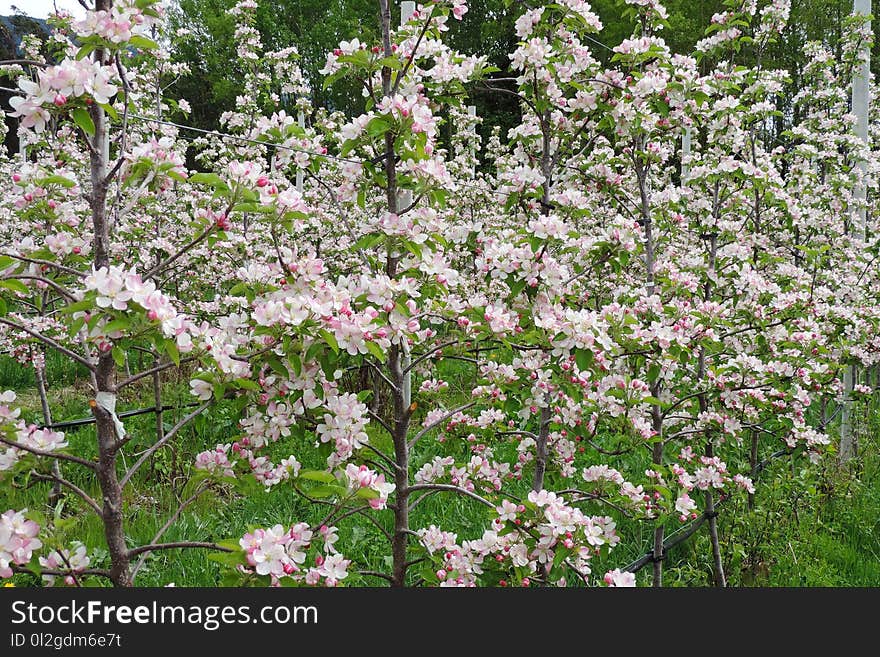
(812, 525)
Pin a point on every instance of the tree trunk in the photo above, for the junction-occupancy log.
(112, 511)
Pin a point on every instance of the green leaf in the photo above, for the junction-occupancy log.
(247, 384)
(314, 351)
(230, 544)
(378, 126)
(367, 494)
(118, 356)
(76, 325)
(77, 307)
(231, 559)
(391, 62)
(117, 325)
(208, 179)
(583, 358)
(172, 351)
(15, 286)
(83, 120)
(111, 111)
(376, 350)
(295, 363)
(277, 366)
(142, 42)
(85, 51)
(330, 339)
(560, 556)
(516, 287)
(368, 241)
(238, 290)
(317, 475)
(57, 180)
(3, 309)
(320, 492)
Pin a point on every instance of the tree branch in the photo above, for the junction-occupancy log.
(76, 489)
(161, 443)
(167, 525)
(48, 281)
(154, 547)
(51, 455)
(171, 259)
(49, 341)
(47, 263)
(151, 371)
(451, 489)
(443, 419)
(428, 354)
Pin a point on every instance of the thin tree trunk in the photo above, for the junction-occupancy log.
(396, 356)
(753, 463)
(157, 402)
(112, 511)
(541, 450)
(656, 413)
(40, 378)
(711, 514)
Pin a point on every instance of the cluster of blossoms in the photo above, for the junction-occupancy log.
(361, 478)
(26, 435)
(344, 426)
(216, 462)
(57, 85)
(609, 303)
(124, 19)
(156, 155)
(284, 553)
(115, 288)
(74, 561)
(18, 540)
(710, 474)
(481, 471)
(264, 471)
(524, 544)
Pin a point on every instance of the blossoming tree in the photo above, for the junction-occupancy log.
(619, 314)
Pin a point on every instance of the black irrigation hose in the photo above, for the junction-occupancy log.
(90, 420)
